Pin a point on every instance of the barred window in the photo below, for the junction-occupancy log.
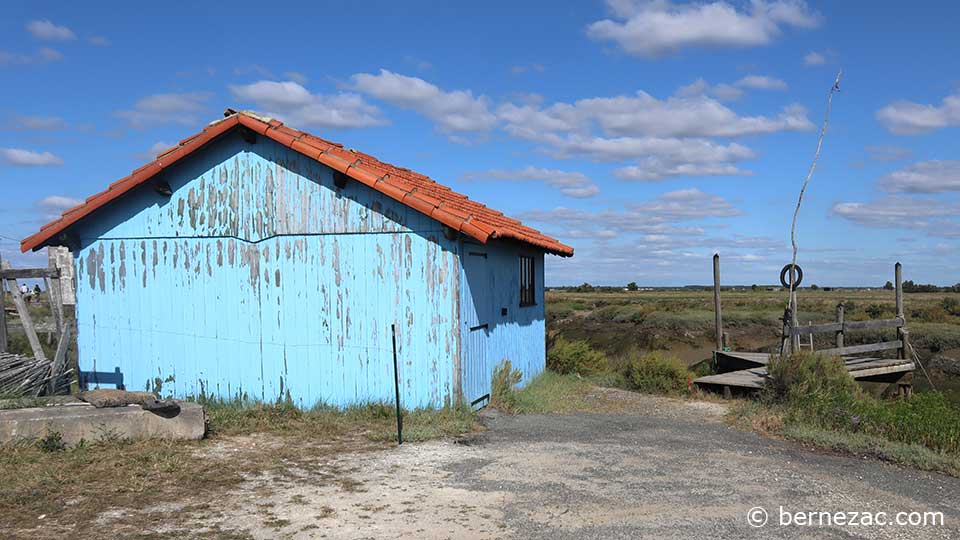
(528, 295)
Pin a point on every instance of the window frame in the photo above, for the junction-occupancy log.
(528, 281)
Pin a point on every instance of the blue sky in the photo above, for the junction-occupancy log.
(646, 134)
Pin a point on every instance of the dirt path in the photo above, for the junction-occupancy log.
(666, 469)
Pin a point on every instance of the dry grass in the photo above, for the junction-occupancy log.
(164, 485)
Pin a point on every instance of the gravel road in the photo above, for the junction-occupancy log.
(664, 469)
(684, 476)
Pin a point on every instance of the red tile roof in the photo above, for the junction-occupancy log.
(413, 189)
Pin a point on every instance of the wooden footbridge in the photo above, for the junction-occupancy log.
(747, 371)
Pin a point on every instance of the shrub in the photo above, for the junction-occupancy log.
(805, 376)
(933, 314)
(951, 305)
(575, 357)
(503, 393)
(657, 373)
(52, 442)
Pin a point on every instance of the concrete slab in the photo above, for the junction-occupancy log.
(82, 421)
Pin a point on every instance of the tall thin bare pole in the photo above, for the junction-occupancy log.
(813, 166)
(718, 318)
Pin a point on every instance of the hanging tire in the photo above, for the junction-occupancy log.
(785, 275)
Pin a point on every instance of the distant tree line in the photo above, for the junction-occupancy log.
(910, 286)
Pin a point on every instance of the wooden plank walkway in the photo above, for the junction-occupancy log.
(755, 378)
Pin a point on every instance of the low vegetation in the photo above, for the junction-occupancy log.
(575, 357)
(574, 369)
(77, 483)
(616, 321)
(657, 373)
(811, 398)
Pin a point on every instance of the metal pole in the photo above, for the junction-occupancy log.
(716, 300)
(396, 385)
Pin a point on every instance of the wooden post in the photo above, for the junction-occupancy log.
(25, 319)
(56, 305)
(794, 339)
(3, 317)
(786, 341)
(902, 334)
(716, 301)
(840, 322)
(59, 361)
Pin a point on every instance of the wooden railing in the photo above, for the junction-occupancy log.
(792, 332)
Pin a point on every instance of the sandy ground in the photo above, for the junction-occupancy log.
(666, 469)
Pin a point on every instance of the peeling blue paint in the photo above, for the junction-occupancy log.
(259, 279)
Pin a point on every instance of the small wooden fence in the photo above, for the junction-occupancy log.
(747, 370)
(792, 332)
(56, 368)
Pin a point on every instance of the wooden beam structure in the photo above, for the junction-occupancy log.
(29, 273)
(747, 370)
(26, 320)
(718, 317)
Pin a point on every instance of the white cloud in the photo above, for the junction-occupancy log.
(253, 69)
(654, 169)
(453, 112)
(150, 154)
(897, 212)
(28, 158)
(655, 28)
(762, 82)
(686, 204)
(730, 92)
(924, 177)
(58, 202)
(419, 63)
(909, 118)
(42, 56)
(644, 115)
(98, 40)
(888, 153)
(296, 77)
(292, 103)
(657, 220)
(700, 87)
(523, 68)
(53, 206)
(44, 29)
(668, 137)
(570, 183)
(171, 108)
(40, 123)
(814, 58)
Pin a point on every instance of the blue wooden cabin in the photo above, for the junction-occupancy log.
(259, 262)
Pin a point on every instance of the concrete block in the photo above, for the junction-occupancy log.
(82, 421)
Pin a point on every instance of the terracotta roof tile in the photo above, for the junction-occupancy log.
(411, 188)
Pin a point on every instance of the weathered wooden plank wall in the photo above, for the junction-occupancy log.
(490, 298)
(258, 278)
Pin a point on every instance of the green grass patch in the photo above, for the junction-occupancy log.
(551, 393)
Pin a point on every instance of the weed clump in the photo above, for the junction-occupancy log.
(503, 393)
(657, 373)
(52, 442)
(575, 357)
